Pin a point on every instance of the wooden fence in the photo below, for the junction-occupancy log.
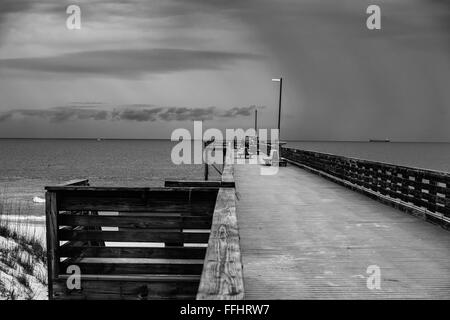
(129, 243)
(419, 191)
(176, 242)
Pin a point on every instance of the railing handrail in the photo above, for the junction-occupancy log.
(422, 192)
(412, 168)
(222, 276)
(130, 189)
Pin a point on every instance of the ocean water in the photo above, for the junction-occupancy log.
(27, 166)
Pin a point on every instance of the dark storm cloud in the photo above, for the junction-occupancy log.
(5, 116)
(11, 7)
(8, 7)
(236, 112)
(138, 113)
(142, 114)
(180, 114)
(57, 114)
(128, 62)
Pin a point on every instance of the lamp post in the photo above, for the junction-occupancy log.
(280, 80)
(256, 121)
(256, 131)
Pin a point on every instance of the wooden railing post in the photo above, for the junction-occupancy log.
(206, 174)
(224, 153)
(51, 213)
(246, 147)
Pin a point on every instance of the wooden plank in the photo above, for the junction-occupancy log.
(137, 221)
(75, 182)
(226, 250)
(133, 252)
(199, 183)
(221, 281)
(164, 266)
(134, 236)
(222, 277)
(117, 203)
(228, 171)
(304, 237)
(164, 278)
(182, 200)
(129, 288)
(161, 191)
(51, 213)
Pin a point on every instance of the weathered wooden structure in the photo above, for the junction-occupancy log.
(222, 275)
(144, 243)
(300, 235)
(422, 192)
(305, 237)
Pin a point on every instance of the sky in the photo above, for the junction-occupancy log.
(143, 68)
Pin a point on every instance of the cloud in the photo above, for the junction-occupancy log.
(235, 112)
(140, 115)
(5, 116)
(180, 114)
(57, 114)
(128, 62)
(137, 113)
(13, 6)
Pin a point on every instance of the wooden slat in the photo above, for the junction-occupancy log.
(111, 203)
(199, 183)
(183, 200)
(161, 191)
(130, 287)
(134, 236)
(137, 221)
(164, 266)
(75, 182)
(133, 252)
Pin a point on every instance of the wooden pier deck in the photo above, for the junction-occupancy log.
(304, 237)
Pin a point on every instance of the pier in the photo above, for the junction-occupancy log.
(304, 237)
(312, 231)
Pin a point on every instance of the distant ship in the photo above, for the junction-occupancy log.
(379, 140)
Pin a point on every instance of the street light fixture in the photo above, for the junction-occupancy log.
(280, 80)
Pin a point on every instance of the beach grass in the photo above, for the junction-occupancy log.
(23, 257)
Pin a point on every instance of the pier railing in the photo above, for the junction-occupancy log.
(222, 276)
(422, 192)
(176, 242)
(127, 243)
